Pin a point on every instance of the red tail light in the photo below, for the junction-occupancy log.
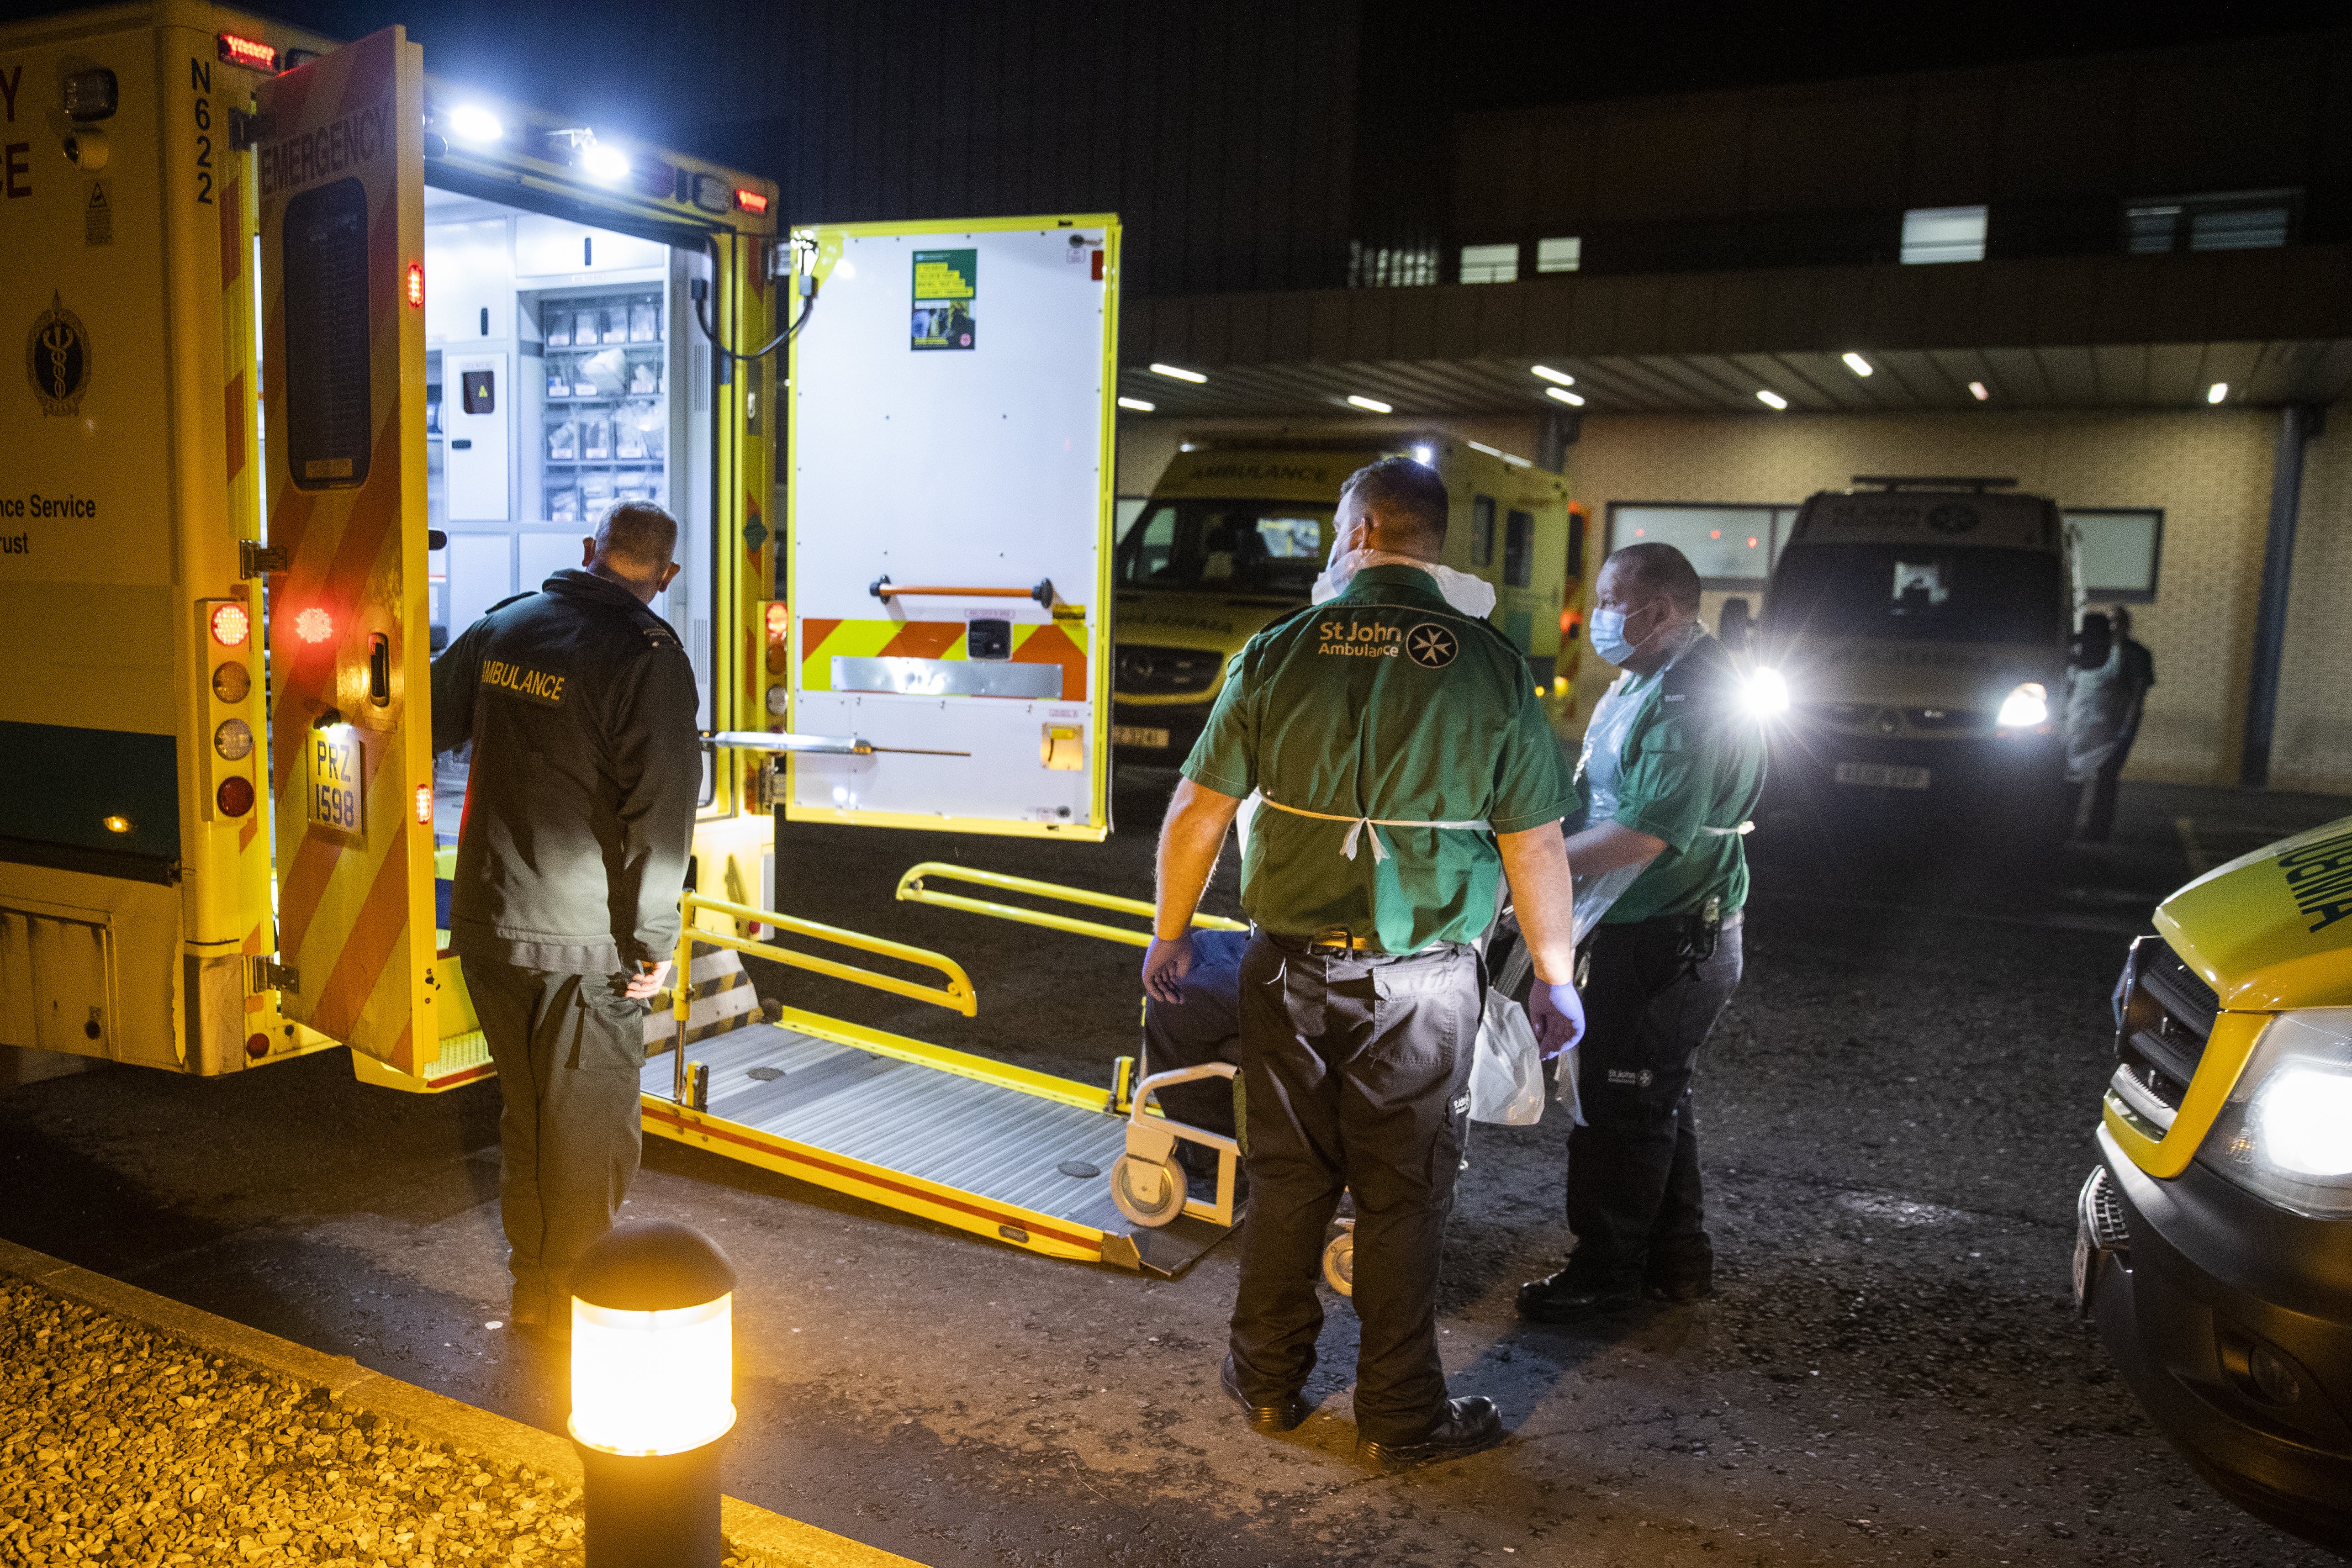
(416, 284)
(251, 53)
(230, 624)
(236, 796)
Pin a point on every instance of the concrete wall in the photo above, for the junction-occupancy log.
(2211, 471)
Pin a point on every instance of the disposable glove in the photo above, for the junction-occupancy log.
(1558, 1013)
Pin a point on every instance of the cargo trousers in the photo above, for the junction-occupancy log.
(1634, 1198)
(1356, 1067)
(568, 1050)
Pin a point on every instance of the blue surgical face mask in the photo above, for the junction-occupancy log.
(1607, 634)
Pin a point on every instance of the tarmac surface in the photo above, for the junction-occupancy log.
(1896, 1114)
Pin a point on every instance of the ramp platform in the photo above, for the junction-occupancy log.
(989, 1149)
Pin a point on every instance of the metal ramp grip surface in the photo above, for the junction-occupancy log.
(987, 1147)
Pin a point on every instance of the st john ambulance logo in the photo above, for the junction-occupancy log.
(57, 359)
(1431, 646)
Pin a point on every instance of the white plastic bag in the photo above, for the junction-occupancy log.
(1507, 1086)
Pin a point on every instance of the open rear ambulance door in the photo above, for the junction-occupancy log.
(342, 191)
(949, 492)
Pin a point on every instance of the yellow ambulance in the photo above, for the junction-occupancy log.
(319, 359)
(2213, 1243)
(1237, 530)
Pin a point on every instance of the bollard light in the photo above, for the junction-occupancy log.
(653, 1392)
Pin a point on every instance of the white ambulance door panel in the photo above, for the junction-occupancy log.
(949, 542)
(475, 389)
(341, 194)
(469, 283)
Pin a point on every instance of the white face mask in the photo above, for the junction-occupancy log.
(1473, 596)
(1607, 634)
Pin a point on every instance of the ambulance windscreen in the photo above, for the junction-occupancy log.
(1917, 592)
(329, 423)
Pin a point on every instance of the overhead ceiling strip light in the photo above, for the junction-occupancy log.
(1180, 373)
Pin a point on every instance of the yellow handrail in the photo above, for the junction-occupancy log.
(911, 888)
(958, 993)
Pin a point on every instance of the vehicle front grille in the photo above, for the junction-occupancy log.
(2168, 1014)
(1946, 718)
(1148, 672)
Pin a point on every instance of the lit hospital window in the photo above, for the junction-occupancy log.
(1944, 233)
(1490, 263)
(1559, 255)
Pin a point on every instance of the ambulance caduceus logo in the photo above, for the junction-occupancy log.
(57, 358)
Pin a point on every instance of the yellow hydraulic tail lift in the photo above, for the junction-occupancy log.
(997, 1150)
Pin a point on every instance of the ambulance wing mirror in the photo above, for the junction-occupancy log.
(2089, 648)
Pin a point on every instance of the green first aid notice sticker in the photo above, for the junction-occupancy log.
(947, 282)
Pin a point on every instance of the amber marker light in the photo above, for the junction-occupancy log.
(424, 804)
(748, 201)
(118, 824)
(653, 1392)
(415, 285)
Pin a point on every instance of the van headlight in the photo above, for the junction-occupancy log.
(2286, 1133)
(1766, 691)
(2026, 706)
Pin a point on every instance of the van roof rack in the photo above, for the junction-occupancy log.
(1934, 482)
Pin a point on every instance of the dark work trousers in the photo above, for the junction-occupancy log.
(2099, 805)
(1205, 1027)
(1353, 1063)
(1633, 1195)
(568, 1048)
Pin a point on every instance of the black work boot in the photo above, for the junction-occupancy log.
(1570, 1297)
(1463, 1426)
(1266, 1418)
(1680, 1289)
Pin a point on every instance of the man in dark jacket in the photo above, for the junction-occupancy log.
(579, 704)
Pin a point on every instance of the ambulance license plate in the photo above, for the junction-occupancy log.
(1882, 776)
(338, 769)
(1137, 734)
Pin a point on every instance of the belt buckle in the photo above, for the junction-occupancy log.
(1335, 941)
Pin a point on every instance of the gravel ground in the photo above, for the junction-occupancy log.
(121, 1445)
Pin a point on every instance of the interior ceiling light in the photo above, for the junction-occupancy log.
(1369, 404)
(1138, 404)
(1515, 461)
(1561, 377)
(472, 123)
(2217, 392)
(1856, 363)
(1564, 395)
(1770, 399)
(1482, 447)
(1980, 392)
(1178, 373)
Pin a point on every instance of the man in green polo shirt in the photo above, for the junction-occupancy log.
(1671, 766)
(1406, 771)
